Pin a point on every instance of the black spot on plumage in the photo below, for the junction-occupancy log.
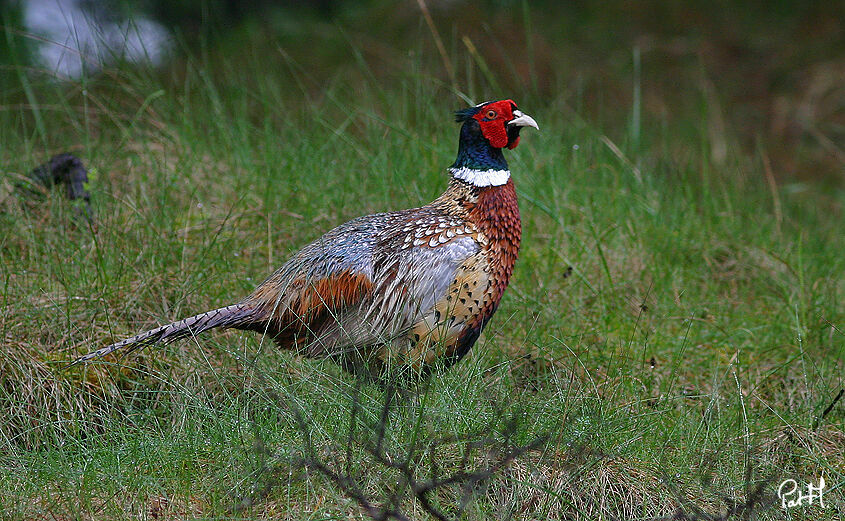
(464, 343)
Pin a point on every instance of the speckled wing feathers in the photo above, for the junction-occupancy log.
(394, 287)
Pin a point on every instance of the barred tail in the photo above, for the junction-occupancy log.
(229, 316)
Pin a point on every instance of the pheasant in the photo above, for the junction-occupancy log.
(409, 289)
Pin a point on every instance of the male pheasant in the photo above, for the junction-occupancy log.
(409, 289)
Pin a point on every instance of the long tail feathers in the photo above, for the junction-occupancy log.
(229, 316)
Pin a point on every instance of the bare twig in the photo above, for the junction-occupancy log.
(496, 452)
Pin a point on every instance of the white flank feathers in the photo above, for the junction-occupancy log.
(481, 177)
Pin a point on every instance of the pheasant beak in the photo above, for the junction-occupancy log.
(515, 125)
(523, 120)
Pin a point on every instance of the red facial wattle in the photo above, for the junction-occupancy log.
(493, 119)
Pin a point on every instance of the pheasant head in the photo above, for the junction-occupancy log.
(487, 129)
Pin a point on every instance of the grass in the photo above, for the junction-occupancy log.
(674, 328)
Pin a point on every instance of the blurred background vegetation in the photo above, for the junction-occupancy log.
(764, 75)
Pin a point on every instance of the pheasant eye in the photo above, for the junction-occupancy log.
(491, 114)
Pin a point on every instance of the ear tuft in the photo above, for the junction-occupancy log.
(465, 114)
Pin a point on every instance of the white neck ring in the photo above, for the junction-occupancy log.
(481, 177)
